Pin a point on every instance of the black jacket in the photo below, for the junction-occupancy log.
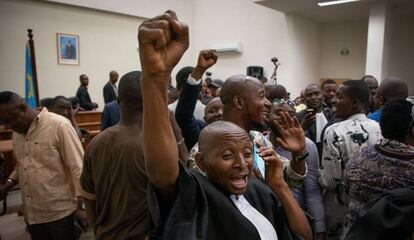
(109, 93)
(85, 101)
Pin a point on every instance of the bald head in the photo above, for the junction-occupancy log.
(236, 85)
(393, 88)
(218, 131)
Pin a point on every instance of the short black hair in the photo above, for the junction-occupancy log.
(57, 98)
(328, 81)
(8, 96)
(276, 91)
(129, 88)
(182, 76)
(396, 119)
(60, 97)
(358, 89)
(46, 102)
(366, 77)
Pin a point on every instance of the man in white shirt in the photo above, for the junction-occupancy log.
(341, 141)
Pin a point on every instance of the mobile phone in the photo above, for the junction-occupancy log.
(259, 166)
(310, 111)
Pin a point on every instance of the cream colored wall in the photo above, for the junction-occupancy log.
(265, 33)
(401, 63)
(334, 38)
(107, 42)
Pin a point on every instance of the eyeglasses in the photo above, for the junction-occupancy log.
(281, 101)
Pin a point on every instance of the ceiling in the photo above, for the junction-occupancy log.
(309, 8)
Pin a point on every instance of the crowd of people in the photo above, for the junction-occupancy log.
(213, 159)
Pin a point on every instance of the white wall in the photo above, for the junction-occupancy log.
(401, 63)
(265, 33)
(107, 42)
(334, 38)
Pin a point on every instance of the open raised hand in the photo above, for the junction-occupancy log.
(162, 42)
(292, 136)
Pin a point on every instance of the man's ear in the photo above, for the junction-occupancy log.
(356, 103)
(23, 107)
(238, 102)
(199, 159)
(381, 99)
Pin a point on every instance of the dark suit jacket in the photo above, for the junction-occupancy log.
(85, 101)
(109, 93)
(110, 115)
(184, 114)
(203, 211)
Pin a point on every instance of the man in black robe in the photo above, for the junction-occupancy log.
(228, 204)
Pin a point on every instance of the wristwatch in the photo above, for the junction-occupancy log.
(82, 206)
(302, 157)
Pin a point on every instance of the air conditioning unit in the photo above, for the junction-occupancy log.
(232, 47)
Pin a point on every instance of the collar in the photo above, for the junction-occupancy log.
(358, 116)
(36, 120)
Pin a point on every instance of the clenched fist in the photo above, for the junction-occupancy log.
(162, 42)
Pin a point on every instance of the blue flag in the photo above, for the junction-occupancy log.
(30, 93)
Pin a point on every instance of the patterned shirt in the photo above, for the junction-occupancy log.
(372, 172)
(342, 140)
(49, 164)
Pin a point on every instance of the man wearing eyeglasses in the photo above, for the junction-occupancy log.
(389, 89)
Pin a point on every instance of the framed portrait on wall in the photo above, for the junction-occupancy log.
(67, 48)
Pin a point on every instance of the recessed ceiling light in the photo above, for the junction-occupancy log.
(323, 4)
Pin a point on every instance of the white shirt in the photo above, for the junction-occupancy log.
(199, 108)
(320, 125)
(263, 226)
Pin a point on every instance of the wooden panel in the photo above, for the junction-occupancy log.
(88, 116)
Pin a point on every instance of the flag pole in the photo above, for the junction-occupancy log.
(33, 61)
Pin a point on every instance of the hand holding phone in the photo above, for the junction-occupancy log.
(259, 165)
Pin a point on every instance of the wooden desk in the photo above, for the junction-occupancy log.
(88, 116)
(89, 120)
(6, 146)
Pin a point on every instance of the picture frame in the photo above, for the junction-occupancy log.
(68, 49)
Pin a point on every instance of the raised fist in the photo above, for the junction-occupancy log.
(206, 59)
(162, 42)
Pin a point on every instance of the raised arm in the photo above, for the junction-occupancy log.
(296, 218)
(184, 113)
(162, 42)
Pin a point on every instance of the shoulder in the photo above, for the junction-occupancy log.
(332, 128)
(53, 119)
(258, 137)
(104, 139)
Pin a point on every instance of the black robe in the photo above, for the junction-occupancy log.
(203, 211)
